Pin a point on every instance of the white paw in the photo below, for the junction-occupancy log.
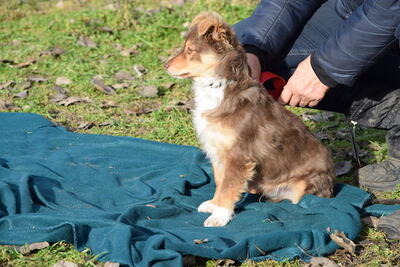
(206, 207)
(220, 217)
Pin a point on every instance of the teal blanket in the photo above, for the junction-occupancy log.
(134, 201)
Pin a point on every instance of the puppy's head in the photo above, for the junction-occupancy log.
(207, 44)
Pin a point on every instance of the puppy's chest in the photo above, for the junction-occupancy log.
(213, 136)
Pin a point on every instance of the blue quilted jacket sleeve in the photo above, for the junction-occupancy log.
(273, 27)
(357, 44)
(372, 28)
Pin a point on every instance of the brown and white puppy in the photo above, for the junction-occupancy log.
(254, 143)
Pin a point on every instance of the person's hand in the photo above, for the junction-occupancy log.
(255, 66)
(303, 88)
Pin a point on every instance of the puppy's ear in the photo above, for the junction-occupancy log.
(210, 24)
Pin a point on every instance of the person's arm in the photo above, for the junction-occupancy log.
(273, 27)
(358, 43)
(367, 33)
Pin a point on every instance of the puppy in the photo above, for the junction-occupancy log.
(255, 145)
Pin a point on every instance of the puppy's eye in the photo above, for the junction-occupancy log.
(189, 50)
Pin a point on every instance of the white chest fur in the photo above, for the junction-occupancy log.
(209, 94)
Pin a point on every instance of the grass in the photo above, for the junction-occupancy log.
(153, 28)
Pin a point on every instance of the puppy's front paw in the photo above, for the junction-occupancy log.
(206, 207)
(220, 217)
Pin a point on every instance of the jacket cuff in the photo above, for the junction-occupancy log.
(257, 52)
(321, 73)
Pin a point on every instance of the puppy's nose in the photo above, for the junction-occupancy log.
(166, 65)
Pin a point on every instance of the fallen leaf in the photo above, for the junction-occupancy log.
(58, 97)
(141, 109)
(37, 78)
(361, 153)
(123, 75)
(111, 264)
(182, 105)
(371, 221)
(168, 85)
(110, 7)
(57, 51)
(324, 116)
(107, 56)
(129, 52)
(108, 104)
(322, 261)
(343, 167)
(6, 105)
(26, 63)
(139, 69)
(105, 123)
(148, 91)
(63, 81)
(7, 85)
(386, 201)
(106, 30)
(22, 94)
(16, 42)
(73, 100)
(177, 2)
(26, 249)
(225, 262)
(120, 85)
(85, 125)
(26, 85)
(97, 81)
(7, 61)
(342, 240)
(63, 263)
(60, 89)
(86, 41)
(322, 136)
(201, 241)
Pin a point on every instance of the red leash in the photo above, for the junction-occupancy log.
(277, 83)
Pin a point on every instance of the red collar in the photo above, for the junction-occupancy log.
(277, 82)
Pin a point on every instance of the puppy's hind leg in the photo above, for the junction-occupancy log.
(235, 174)
(298, 190)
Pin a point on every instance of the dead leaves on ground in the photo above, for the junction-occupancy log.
(37, 78)
(98, 82)
(54, 51)
(73, 100)
(126, 52)
(342, 240)
(26, 249)
(86, 41)
(200, 241)
(27, 63)
(7, 85)
(148, 91)
(7, 105)
(63, 81)
(343, 167)
(321, 261)
(123, 75)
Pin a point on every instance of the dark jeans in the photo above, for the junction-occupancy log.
(374, 100)
(339, 99)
